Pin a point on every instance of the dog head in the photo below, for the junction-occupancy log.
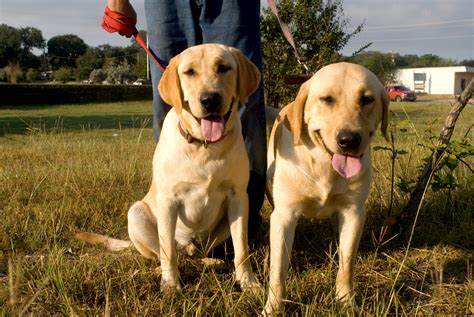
(205, 84)
(340, 108)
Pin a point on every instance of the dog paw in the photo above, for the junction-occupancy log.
(272, 308)
(189, 249)
(252, 287)
(170, 286)
(248, 283)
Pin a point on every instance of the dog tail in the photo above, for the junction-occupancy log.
(109, 242)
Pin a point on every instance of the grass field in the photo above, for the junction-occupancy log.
(71, 168)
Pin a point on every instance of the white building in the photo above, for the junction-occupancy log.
(436, 80)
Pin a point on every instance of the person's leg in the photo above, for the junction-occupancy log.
(172, 26)
(237, 23)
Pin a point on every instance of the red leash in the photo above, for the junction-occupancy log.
(114, 21)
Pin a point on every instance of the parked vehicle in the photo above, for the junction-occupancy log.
(140, 82)
(400, 93)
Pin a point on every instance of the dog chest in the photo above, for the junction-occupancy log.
(202, 203)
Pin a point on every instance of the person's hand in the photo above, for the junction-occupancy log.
(125, 26)
(122, 6)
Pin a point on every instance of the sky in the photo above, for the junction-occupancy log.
(440, 27)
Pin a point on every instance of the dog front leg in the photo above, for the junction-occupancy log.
(167, 217)
(351, 223)
(238, 221)
(282, 233)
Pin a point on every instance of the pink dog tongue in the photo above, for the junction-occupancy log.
(212, 128)
(346, 166)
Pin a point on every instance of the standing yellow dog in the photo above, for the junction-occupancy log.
(319, 164)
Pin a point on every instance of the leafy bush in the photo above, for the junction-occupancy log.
(97, 76)
(120, 74)
(13, 72)
(63, 74)
(31, 74)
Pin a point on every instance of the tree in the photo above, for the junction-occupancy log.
(10, 45)
(92, 59)
(97, 76)
(31, 74)
(405, 61)
(31, 38)
(430, 60)
(120, 74)
(382, 65)
(319, 30)
(63, 74)
(140, 64)
(63, 50)
(16, 46)
(467, 62)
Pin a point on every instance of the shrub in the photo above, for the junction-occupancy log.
(63, 74)
(97, 76)
(13, 71)
(32, 74)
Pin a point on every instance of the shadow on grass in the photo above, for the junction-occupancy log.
(25, 125)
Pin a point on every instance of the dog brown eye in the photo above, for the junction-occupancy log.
(327, 100)
(365, 100)
(189, 72)
(223, 69)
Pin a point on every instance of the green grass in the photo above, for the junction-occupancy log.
(75, 168)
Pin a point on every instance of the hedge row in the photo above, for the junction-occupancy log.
(23, 94)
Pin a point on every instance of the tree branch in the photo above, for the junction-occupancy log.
(434, 163)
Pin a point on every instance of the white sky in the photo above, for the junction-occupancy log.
(441, 27)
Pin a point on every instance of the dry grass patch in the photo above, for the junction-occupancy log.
(56, 180)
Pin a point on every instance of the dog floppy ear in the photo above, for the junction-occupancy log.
(170, 87)
(248, 75)
(385, 103)
(295, 112)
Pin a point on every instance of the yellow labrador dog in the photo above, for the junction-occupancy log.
(319, 164)
(198, 196)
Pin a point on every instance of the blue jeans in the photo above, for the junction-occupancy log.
(173, 26)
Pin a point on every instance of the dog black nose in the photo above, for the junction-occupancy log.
(348, 140)
(211, 101)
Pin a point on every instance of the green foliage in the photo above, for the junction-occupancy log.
(92, 59)
(10, 45)
(63, 50)
(31, 74)
(120, 74)
(380, 64)
(63, 74)
(467, 62)
(97, 76)
(16, 46)
(319, 30)
(32, 38)
(455, 153)
(140, 68)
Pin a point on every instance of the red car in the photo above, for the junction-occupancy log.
(400, 93)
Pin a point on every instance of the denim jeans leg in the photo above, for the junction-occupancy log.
(237, 23)
(171, 28)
